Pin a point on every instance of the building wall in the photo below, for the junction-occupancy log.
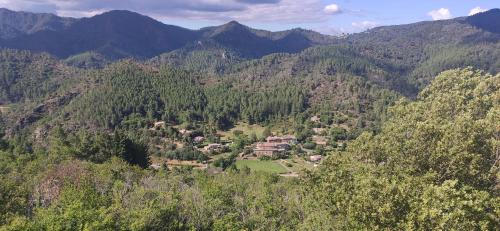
(269, 153)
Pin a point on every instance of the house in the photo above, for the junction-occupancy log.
(155, 166)
(213, 147)
(158, 125)
(319, 140)
(273, 139)
(185, 132)
(199, 139)
(318, 130)
(269, 149)
(316, 119)
(288, 139)
(315, 158)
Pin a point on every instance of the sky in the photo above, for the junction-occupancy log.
(325, 16)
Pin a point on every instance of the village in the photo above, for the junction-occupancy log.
(247, 146)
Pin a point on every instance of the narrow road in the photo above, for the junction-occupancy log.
(290, 173)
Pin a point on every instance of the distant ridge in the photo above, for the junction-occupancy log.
(121, 34)
(14, 24)
(489, 20)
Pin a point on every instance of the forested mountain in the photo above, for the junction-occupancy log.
(115, 34)
(122, 34)
(410, 55)
(355, 78)
(16, 24)
(28, 77)
(251, 43)
(422, 50)
(486, 20)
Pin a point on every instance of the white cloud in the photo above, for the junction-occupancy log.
(258, 11)
(476, 10)
(364, 25)
(440, 14)
(288, 11)
(332, 9)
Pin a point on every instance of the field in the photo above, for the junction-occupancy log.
(298, 164)
(245, 128)
(4, 109)
(261, 166)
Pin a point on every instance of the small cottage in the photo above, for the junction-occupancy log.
(315, 158)
(213, 147)
(199, 139)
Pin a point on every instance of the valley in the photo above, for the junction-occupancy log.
(121, 122)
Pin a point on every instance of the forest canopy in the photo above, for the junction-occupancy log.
(433, 165)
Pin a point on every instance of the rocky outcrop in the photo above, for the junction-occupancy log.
(43, 109)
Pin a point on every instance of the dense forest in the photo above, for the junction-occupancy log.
(395, 128)
(433, 165)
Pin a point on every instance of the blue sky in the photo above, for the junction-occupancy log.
(326, 16)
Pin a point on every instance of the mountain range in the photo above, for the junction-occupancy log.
(121, 34)
(72, 67)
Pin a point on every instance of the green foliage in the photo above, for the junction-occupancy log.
(98, 147)
(225, 162)
(448, 132)
(186, 153)
(432, 166)
(337, 134)
(309, 145)
(30, 77)
(128, 89)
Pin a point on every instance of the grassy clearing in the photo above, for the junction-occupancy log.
(299, 164)
(261, 166)
(4, 109)
(215, 157)
(245, 128)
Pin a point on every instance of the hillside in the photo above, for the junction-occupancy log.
(421, 50)
(115, 34)
(410, 55)
(15, 24)
(356, 78)
(437, 153)
(26, 77)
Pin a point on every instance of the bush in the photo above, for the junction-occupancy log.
(309, 145)
(187, 153)
(264, 158)
(337, 134)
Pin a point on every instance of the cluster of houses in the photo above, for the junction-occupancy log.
(275, 146)
(213, 147)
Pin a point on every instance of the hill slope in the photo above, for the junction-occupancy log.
(15, 24)
(355, 78)
(116, 34)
